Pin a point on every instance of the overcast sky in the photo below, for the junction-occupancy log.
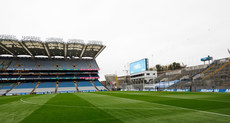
(162, 30)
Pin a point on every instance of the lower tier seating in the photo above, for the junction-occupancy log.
(45, 87)
(166, 84)
(99, 86)
(66, 87)
(4, 87)
(2, 91)
(23, 88)
(85, 86)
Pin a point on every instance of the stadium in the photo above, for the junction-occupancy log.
(75, 70)
(57, 81)
(114, 61)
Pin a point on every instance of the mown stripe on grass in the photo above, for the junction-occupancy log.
(68, 108)
(127, 110)
(130, 110)
(185, 95)
(15, 111)
(177, 103)
(202, 105)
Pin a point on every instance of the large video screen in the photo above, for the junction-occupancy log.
(138, 66)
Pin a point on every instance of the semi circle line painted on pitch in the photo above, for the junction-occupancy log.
(69, 106)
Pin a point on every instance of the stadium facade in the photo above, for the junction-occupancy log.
(32, 66)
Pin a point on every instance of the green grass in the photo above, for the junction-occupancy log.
(116, 107)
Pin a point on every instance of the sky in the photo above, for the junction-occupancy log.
(164, 31)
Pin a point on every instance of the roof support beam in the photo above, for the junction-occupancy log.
(6, 49)
(47, 51)
(83, 50)
(65, 50)
(26, 49)
(99, 51)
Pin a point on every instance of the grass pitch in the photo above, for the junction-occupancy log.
(116, 107)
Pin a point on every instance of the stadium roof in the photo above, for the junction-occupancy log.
(33, 46)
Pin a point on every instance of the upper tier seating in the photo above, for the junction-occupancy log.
(63, 64)
(23, 88)
(47, 64)
(4, 63)
(85, 86)
(66, 86)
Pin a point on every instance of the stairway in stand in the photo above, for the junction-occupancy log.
(35, 88)
(56, 87)
(217, 70)
(12, 88)
(76, 86)
(207, 69)
(94, 85)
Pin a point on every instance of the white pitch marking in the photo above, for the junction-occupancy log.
(68, 106)
(170, 96)
(189, 109)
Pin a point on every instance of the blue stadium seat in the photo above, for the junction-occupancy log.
(26, 85)
(83, 83)
(6, 85)
(66, 84)
(66, 87)
(49, 64)
(97, 83)
(47, 85)
(166, 84)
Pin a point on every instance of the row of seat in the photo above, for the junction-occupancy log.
(216, 75)
(49, 87)
(5, 86)
(165, 84)
(47, 64)
(49, 76)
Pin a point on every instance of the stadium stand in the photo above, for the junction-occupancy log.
(168, 76)
(45, 87)
(63, 68)
(218, 76)
(161, 85)
(66, 87)
(99, 86)
(23, 88)
(4, 87)
(213, 76)
(85, 86)
(51, 64)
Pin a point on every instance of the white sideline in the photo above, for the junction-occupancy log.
(171, 97)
